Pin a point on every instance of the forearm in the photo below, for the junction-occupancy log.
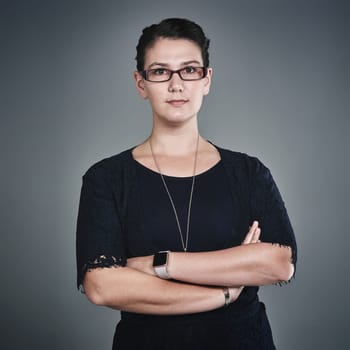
(248, 265)
(130, 290)
(251, 264)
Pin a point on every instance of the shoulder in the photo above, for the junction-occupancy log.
(246, 170)
(241, 162)
(110, 166)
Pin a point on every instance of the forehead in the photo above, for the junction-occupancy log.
(172, 52)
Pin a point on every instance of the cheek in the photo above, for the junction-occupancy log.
(155, 97)
(206, 90)
(199, 96)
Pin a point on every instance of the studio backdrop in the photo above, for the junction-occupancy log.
(67, 100)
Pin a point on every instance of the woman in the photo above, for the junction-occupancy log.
(176, 232)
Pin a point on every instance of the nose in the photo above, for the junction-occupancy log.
(175, 83)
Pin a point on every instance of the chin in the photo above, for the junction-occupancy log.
(179, 119)
(178, 116)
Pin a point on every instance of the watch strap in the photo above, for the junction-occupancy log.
(162, 272)
(160, 262)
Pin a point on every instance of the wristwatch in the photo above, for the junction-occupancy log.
(160, 261)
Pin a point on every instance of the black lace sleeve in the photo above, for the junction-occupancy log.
(268, 208)
(99, 241)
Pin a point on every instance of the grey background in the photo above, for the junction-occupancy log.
(67, 99)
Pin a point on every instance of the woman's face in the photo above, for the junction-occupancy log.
(174, 101)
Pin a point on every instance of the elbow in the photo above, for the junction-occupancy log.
(96, 290)
(285, 272)
(94, 293)
(291, 271)
(96, 298)
(284, 268)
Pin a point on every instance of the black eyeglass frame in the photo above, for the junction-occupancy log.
(144, 74)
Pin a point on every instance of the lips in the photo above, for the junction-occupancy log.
(177, 103)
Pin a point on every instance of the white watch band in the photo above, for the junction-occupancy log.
(160, 262)
(162, 272)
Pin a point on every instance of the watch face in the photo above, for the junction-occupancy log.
(160, 258)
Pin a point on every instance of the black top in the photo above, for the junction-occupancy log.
(124, 212)
(212, 213)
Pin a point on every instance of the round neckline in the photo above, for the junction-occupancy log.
(213, 167)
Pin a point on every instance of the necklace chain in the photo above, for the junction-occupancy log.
(184, 242)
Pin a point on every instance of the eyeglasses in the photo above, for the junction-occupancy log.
(159, 75)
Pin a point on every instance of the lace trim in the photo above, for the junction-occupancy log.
(102, 261)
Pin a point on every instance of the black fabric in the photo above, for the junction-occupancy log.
(212, 223)
(111, 219)
(220, 330)
(214, 216)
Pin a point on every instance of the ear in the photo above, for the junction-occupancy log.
(207, 81)
(140, 85)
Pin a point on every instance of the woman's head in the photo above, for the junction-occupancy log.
(174, 28)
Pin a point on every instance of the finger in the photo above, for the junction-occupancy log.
(250, 234)
(234, 293)
(248, 237)
(256, 235)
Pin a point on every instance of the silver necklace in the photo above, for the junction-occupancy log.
(184, 242)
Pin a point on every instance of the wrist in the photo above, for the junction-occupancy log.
(160, 264)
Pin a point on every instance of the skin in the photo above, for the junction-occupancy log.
(175, 105)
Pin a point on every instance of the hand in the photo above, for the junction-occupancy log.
(253, 235)
(142, 263)
(235, 293)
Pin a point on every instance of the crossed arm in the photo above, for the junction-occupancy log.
(198, 278)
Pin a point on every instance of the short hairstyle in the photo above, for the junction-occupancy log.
(176, 28)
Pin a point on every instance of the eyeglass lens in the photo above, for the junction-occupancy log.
(163, 74)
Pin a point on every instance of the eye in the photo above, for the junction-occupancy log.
(159, 71)
(190, 70)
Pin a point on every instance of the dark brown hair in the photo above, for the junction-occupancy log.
(176, 28)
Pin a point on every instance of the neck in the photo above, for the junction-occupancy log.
(174, 141)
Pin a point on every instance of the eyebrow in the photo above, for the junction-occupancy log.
(167, 65)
